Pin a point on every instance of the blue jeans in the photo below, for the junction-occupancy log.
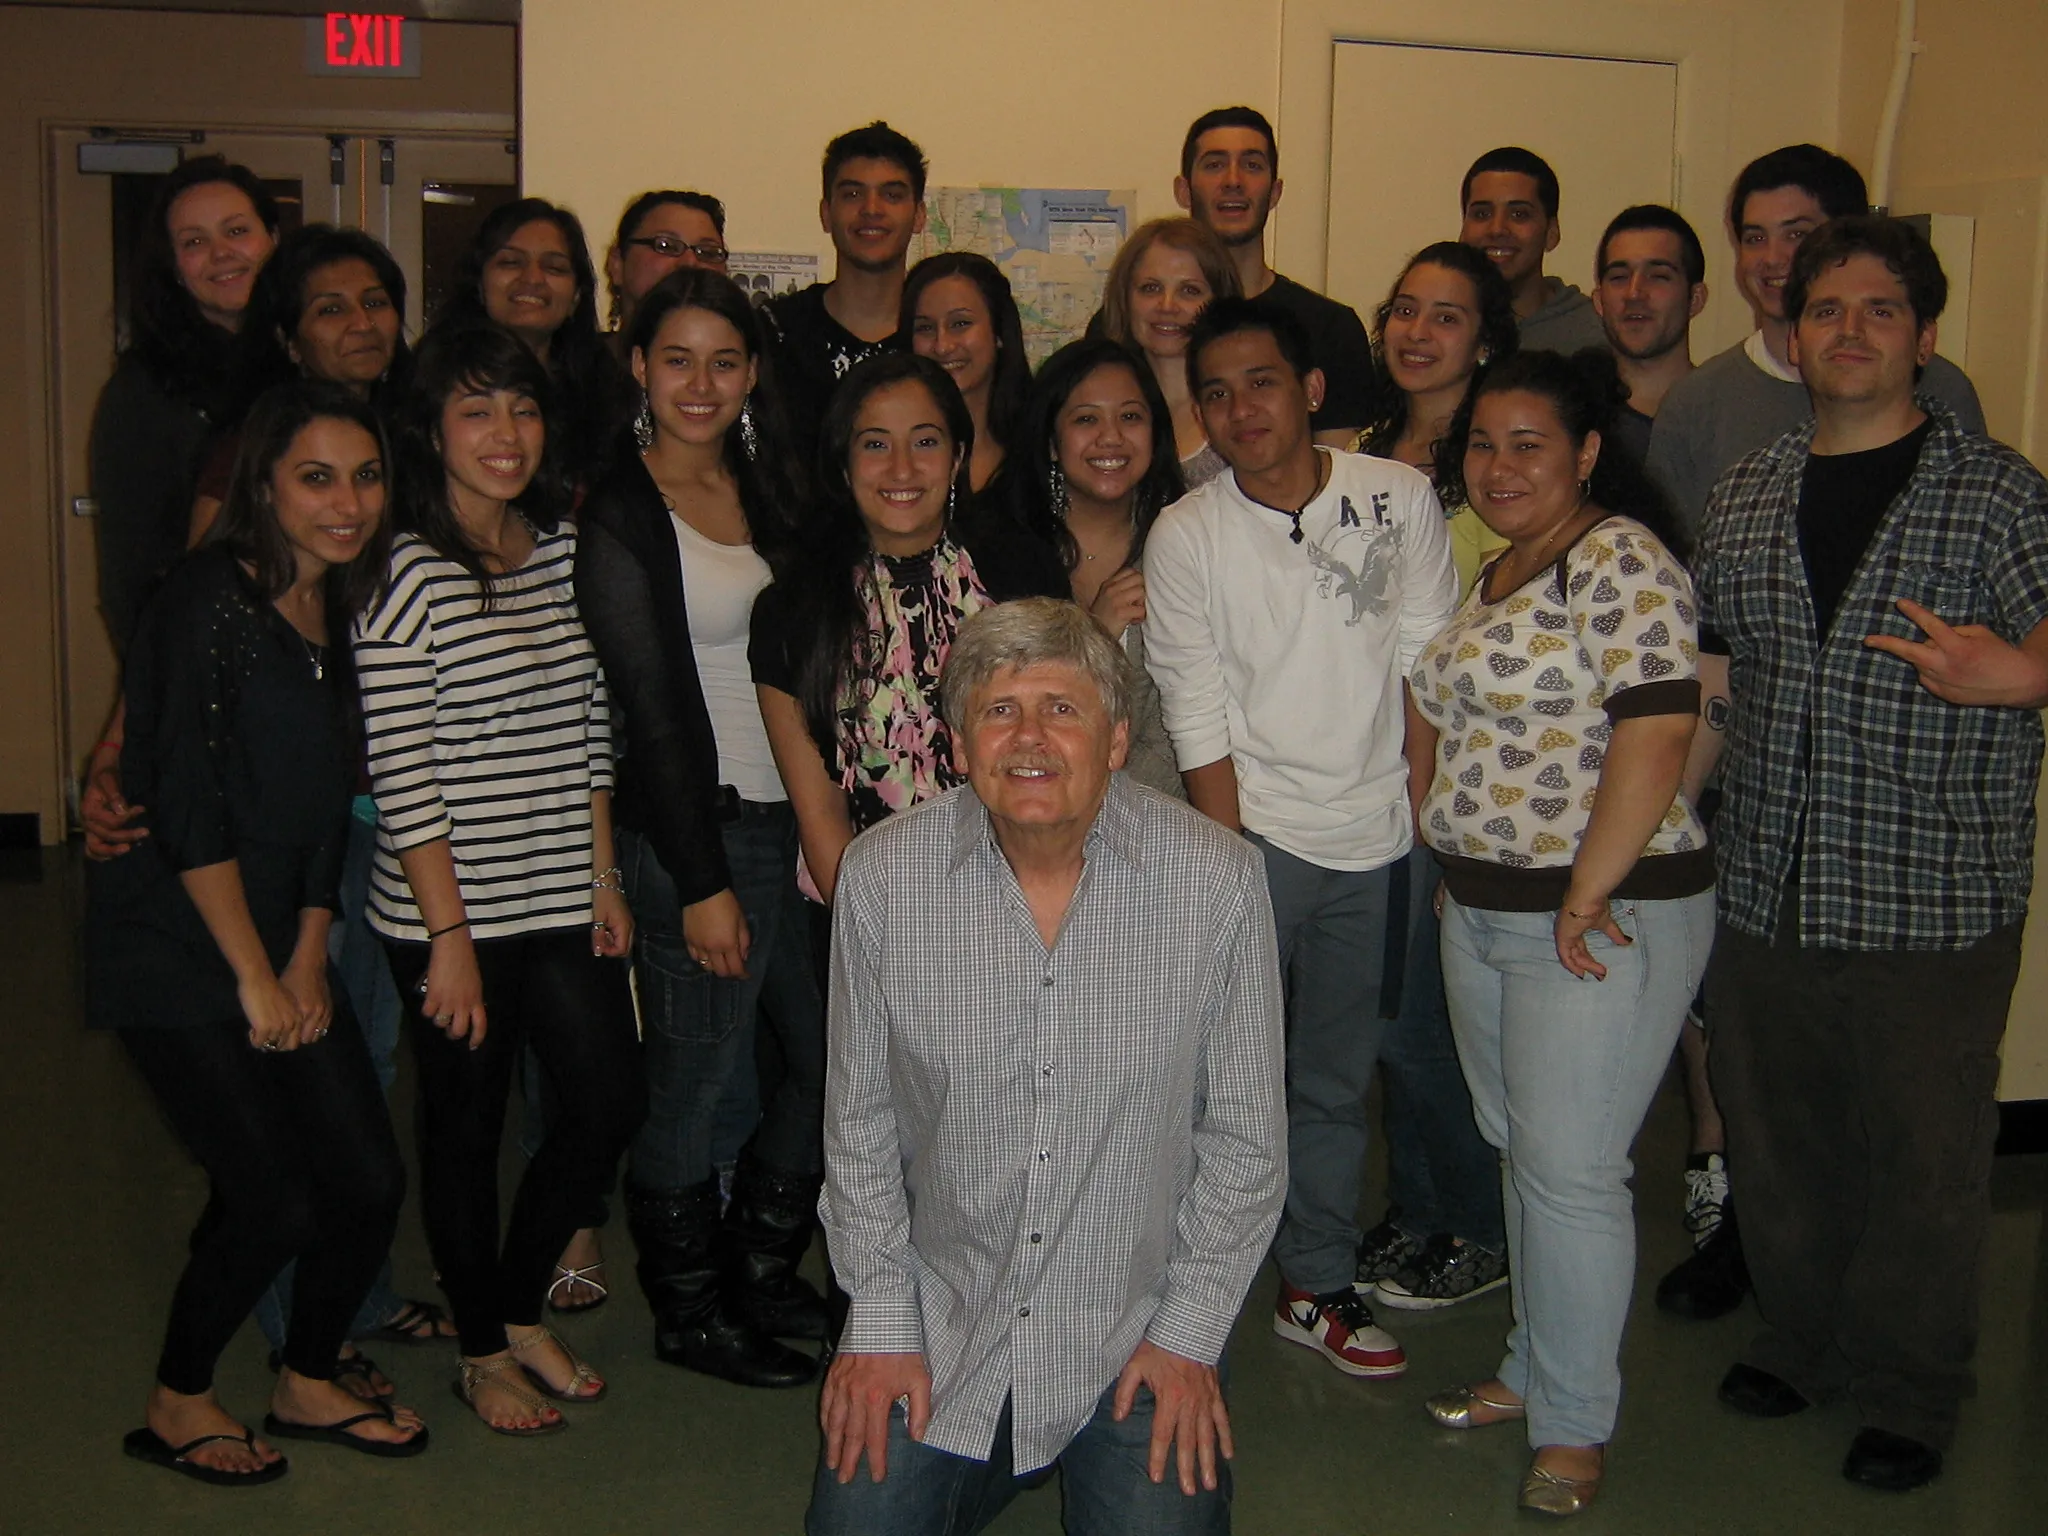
(1332, 928)
(1562, 1072)
(1441, 1174)
(1105, 1486)
(359, 957)
(700, 1028)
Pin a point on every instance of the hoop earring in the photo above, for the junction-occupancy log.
(1056, 491)
(750, 441)
(643, 425)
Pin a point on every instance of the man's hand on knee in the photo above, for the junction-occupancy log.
(1188, 1416)
(854, 1409)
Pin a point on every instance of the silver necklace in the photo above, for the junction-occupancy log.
(315, 654)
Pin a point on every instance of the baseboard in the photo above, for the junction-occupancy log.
(2023, 1126)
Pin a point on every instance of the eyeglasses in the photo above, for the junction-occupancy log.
(710, 252)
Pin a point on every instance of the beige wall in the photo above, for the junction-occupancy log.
(1095, 93)
(81, 67)
(738, 100)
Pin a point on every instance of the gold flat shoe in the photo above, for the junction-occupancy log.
(1549, 1494)
(1453, 1409)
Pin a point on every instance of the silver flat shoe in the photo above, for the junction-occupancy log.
(1453, 1409)
(1549, 1494)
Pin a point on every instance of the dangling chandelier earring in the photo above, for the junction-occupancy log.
(1056, 491)
(750, 440)
(643, 424)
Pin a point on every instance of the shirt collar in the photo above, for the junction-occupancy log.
(1115, 827)
(1760, 354)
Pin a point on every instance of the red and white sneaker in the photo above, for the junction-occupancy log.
(1340, 1325)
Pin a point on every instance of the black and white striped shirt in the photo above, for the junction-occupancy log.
(489, 728)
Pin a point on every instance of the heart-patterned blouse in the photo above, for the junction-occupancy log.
(1524, 693)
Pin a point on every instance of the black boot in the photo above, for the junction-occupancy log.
(768, 1227)
(695, 1325)
(1713, 1281)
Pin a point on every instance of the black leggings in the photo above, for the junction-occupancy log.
(303, 1165)
(575, 1009)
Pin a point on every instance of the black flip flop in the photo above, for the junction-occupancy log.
(358, 1364)
(403, 1326)
(147, 1445)
(337, 1433)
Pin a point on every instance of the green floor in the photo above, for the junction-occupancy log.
(98, 1200)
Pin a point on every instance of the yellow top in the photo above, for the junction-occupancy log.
(1473, 544)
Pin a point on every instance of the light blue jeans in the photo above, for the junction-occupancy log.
(1562, 1072)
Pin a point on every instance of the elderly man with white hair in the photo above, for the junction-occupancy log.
(1054, 1135)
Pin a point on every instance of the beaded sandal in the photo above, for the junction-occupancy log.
(474, 1375)
(583, 1377)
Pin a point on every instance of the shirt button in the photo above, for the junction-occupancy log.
(1046, 982)
(1037, 1237)
(1043, 1154)
(1046, 1070)
(1023, 1311)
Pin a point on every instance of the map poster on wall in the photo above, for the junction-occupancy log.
(765, 275)
(1055, 247)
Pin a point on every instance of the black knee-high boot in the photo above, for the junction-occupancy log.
(682, 1269)
(768, 1226)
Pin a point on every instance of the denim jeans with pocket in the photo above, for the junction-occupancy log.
(1562, 1072)
(1332, 927)
(1441, 1174)
(699, 1028)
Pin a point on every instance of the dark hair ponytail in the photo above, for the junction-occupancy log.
(1588, 395)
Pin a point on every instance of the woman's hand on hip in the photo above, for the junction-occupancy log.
(1575, 920)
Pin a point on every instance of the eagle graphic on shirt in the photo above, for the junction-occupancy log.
(1359, 560)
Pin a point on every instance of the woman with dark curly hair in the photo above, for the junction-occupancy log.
(1571, 858)
(959, 312)
(1448, 318)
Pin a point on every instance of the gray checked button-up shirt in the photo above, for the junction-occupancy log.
(1035, 1160)
(1913, 817)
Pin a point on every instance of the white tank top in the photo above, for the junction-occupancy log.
(720, 583)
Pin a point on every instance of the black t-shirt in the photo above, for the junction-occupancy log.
(1842, 499)
(1632, 427)
(813, 352)
(1337, 345)
(1337, 342)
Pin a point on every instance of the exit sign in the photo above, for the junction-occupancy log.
(346, 43)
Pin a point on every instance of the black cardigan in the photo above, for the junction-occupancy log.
(144, 453)
(240, 752)
(629, 586)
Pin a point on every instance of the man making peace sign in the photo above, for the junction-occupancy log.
(1878, 580)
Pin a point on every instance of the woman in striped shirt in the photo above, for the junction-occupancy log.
(494, 887)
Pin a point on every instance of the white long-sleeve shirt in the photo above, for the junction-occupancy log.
(1288, 658)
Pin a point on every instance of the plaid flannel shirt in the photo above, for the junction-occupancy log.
(1913, 818)
(1033, 1160)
